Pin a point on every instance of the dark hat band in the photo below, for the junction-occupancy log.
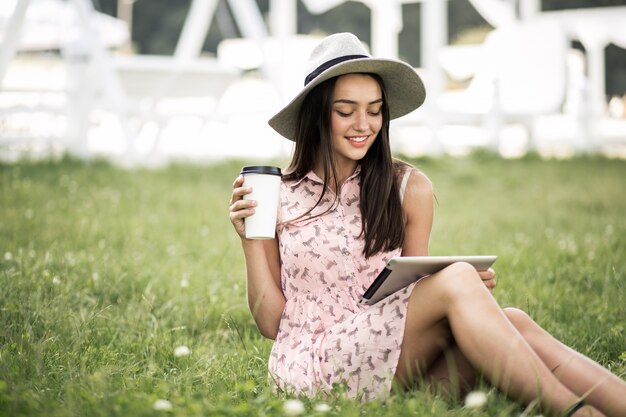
(317, 71)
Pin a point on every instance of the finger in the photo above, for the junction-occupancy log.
(239, 193)
(491, 283)
(242, 205)
(238, 181)
(240, 215)
(486, 275)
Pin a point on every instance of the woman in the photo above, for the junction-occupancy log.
(346, 207)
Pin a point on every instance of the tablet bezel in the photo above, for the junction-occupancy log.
(401, 271)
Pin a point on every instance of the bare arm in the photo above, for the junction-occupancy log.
(418, 207)
(265, 297)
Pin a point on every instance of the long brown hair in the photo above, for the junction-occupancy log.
(382, 222)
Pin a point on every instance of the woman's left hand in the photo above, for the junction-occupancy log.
(489, 278)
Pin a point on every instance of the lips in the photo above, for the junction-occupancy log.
(357, 141)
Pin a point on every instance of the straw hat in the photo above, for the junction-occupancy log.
(343, 53)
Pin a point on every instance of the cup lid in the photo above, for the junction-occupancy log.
(257, 169)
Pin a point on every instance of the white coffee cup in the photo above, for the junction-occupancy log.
(265, 183)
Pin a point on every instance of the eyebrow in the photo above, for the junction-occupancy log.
(343, 100)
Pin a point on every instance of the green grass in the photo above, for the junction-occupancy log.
(103, 272)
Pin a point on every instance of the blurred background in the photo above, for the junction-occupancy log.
(147, 82)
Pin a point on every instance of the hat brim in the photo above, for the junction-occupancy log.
(404, 89)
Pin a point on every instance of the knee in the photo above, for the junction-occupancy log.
(461, 271)
(459, 279)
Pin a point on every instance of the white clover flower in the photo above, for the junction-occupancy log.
(181, 350)
(95, 276)
(162, 405)
(8, 256)
(293, 407)
(56, 281)
(184, 283)
(475, 399)
(322, 408)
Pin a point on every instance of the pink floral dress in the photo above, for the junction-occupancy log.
(325, 336)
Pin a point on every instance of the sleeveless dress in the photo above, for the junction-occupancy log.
(325, 336)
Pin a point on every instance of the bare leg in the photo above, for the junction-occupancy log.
(584, 377)
(442, 365)
(451, 374)
(457, 297)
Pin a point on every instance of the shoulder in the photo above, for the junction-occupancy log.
(419, 184)
(419, 195)
(416, 182)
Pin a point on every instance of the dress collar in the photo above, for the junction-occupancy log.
(313, 177)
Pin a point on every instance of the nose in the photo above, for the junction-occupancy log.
(361, 122)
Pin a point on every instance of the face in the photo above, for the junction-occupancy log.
(356, 117)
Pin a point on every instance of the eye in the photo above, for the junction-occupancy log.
(342, 114)
(375, 110)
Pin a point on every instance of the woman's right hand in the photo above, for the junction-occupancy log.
(489, 278)
(240, 208)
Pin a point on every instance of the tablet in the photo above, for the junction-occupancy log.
(403, 270)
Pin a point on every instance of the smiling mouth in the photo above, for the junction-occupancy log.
(357, 139)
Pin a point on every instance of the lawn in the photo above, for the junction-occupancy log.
(107, 275)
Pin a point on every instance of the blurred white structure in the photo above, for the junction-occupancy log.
(527, 89)
(527, 80)
(53, 95)
(520, 75)
(89, 102)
